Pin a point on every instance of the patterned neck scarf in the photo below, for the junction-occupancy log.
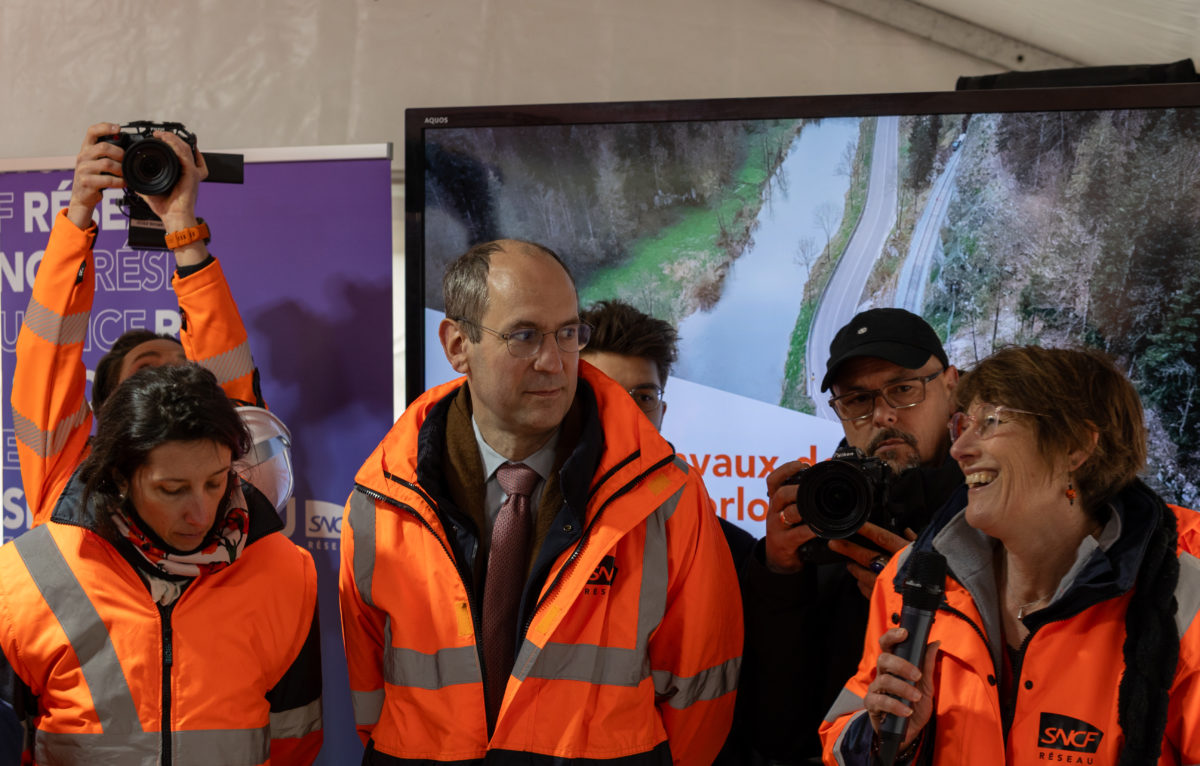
(169, 570)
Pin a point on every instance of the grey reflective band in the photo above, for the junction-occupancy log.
(53, 327)
(841, 739)
(1187, 592)
(87, 633)
(362, 520)
(681, 692)
(445, 667)
(230, 365)
(47, 443)
(681, 464)
(297, 722)
(667, 509)
(231, 747)
(609, 665)
(367, 706)
(846, 702)
(593, 664)
(228, 747)
(142, 749)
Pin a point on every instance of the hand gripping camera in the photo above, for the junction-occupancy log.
(151, 168)
(836, 497)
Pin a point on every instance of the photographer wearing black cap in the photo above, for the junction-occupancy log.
(892, 387)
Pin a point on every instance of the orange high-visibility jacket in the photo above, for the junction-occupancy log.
(632, 637)
(1068, 672)
(51, 417)
(229, 673)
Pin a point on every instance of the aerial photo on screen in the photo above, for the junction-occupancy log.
(759, 239)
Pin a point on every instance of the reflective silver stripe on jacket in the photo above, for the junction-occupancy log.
(230, 365)
(55, 328)
(235, 747)
(99, 749)
(367, 706)
(846, 702)
(840, 759)
(297, 722)
(228, 747)
(445, 667)
(629, 667)
(89, 638)
(362, 521)
(47, 443)
(1187, 592)
(681, 692)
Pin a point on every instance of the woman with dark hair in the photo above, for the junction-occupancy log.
(160, 617)
(1068, 629)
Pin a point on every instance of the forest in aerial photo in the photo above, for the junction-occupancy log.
(1083, 228)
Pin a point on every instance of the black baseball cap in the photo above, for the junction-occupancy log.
(894, 335)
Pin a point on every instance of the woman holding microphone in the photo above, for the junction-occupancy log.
(1067, 632)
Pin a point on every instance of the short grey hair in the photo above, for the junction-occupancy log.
(464, 286)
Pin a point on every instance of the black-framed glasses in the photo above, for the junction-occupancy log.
(985, 422)
(527, 341)
(647, 396)
(857, 405)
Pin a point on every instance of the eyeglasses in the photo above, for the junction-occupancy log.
(857, 405)
(990, 416)
(646, 396)
(526, 342)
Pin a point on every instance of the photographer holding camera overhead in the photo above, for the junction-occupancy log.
(161, 170)
(807, 596)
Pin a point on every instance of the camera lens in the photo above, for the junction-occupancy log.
(837, 498)
(150, 167)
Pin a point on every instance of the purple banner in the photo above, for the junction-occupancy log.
(306, 248)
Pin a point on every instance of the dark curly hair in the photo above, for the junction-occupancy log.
(154, 406)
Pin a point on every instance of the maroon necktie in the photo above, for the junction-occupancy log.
(507, 561)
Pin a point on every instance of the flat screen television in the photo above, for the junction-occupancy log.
(759, 226)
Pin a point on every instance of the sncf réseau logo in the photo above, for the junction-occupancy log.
(1060, 732)
(603, 578)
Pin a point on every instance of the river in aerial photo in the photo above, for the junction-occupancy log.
(741, 344)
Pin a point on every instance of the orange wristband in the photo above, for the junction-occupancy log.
(178, 239)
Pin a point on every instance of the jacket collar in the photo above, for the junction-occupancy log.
(617, 444)
(1104, 567)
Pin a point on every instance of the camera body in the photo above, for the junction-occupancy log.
(836, 497)
(150, 167)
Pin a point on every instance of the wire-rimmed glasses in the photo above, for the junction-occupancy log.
(527, 341)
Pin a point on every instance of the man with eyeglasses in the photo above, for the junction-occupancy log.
(892, 388)
(528, 571)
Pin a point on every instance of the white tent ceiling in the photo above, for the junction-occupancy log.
(1038, 34)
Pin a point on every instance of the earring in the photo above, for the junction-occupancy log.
(1071, 493)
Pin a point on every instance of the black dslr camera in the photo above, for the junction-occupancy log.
(836, 497)
(151, 167)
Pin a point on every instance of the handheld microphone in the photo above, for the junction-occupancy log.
(923, 589)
